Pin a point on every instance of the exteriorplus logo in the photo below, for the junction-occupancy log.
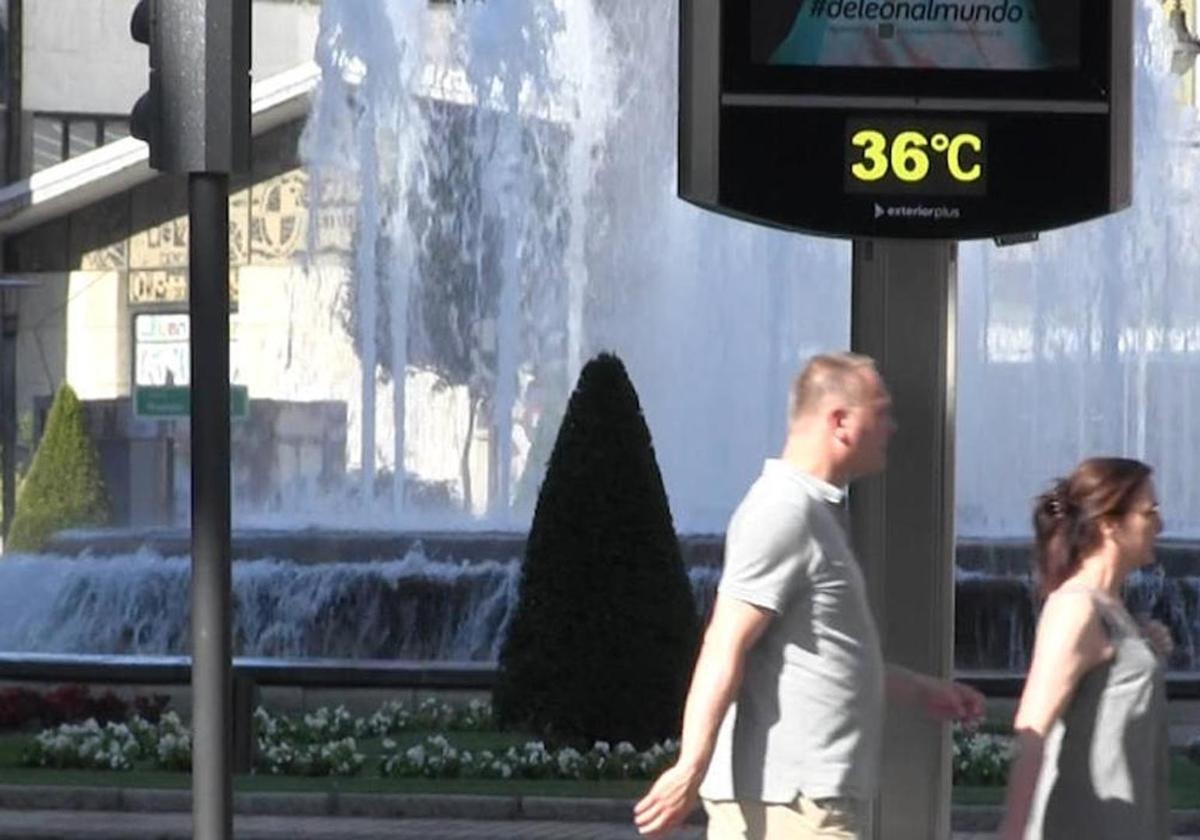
(937, 11)
(936, 212)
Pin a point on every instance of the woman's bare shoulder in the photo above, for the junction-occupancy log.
(1070, 619)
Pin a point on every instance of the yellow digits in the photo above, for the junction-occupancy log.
(954, 160)
(873, 144)
(908, 159)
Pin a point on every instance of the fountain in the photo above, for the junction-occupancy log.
(451, 601)
(1086, 342)
(409, 608)
(525, 199)
(512, 169)
(515, 182)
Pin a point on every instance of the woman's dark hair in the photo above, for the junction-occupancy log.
(1067, 517)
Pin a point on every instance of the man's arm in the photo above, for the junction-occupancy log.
(941, 699)
(734, 628)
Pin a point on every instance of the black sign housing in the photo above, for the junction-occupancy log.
(851, 144)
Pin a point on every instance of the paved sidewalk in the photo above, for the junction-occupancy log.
(93, 825)
(108, 825)
(33, 812)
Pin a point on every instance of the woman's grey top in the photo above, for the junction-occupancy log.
(1105, 766)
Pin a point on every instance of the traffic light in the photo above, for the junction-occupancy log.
(146, 117)
(195, 116)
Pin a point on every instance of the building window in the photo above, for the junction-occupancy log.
(47, 142)
(59, 137)
(113, 128)
(83, 136)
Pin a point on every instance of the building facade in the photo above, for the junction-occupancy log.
(104, 240)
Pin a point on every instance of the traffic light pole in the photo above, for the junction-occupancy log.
(8, 417)
(195, 119)
(212, 649)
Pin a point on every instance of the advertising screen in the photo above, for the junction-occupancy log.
(1000, 35)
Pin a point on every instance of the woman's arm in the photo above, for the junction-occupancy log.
(1070, 642)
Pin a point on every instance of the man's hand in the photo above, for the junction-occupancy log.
(940, 699)
(668, 802)
(733, 629)
(951, 701)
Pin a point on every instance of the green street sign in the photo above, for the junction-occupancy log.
(173, 401)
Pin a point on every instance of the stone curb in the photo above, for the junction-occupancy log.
(986, 818)
(964, 818)
(423, 806)
(332, 804)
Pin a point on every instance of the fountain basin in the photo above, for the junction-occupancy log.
(448, 596)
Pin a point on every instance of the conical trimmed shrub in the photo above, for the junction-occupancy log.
(64, 487)
(602, 642)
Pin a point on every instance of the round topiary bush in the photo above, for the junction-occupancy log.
(64, 487)
(603, 639)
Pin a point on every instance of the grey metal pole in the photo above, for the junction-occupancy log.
(903, 314)
(8, 417)
(212, 685)
(13, 115)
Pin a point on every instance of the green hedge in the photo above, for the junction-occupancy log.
(64, 487)
(603, 639)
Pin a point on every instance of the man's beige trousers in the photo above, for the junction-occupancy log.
(828, 819)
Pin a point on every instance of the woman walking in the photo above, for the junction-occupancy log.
(1092, 749)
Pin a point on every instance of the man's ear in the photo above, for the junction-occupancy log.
(838, 425)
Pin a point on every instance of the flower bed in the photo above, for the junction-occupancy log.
(20, 707)
(981, 757)
(437, 758)
(331, 742)
(113, 746)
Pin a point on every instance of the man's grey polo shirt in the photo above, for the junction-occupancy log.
(809, 716)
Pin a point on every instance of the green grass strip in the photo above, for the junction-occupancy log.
(1185, 776)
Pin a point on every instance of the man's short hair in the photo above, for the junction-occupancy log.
(829, 373)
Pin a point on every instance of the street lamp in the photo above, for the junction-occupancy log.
(1187, 46)
(10, 288)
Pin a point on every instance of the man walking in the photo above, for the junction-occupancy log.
(783, 725)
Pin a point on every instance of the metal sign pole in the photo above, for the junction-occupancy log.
(8, 416)
(10, 288)
(903, 314)
(212, 684)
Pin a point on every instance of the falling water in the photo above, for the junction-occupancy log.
(366, 129)
(543, 226)
(506, 52)
(1087, 342)
(408, 608)
(534, 187)
(417, 608)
